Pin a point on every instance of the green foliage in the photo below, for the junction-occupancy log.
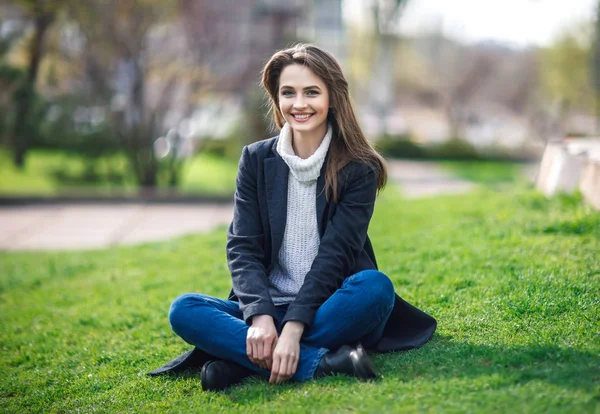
(230, 148)
(404, 147)
(517, 309)
(565, 68)
(62, 133)
(97, 143)
(400, 147)
(455, 149)
(10, 78)
(52, 172)
(595, 63)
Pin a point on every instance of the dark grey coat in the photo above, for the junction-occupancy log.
(256, 233)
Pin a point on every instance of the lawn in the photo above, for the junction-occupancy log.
(204, 174)
(513, 279)
(485, 172)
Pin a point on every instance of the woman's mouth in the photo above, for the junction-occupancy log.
(302, 117)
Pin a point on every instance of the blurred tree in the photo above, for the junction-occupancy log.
(519, 94)
(386, 15)
(565, 70)
(116, 60)
(41, 15)
(360, 59)
(10, 77)
(468, 81)
(596, 66)
(150, 63)
(138, 65)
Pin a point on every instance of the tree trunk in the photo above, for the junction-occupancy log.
(384, 80)
(25, 97)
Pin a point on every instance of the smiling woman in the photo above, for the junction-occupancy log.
(304, 104)
(307, 298)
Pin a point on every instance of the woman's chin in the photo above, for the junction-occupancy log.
(309, 126)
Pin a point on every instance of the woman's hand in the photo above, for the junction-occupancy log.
(260, 341)
(286, 353)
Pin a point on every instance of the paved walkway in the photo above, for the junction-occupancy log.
(92, 226)
(74, 227)
(423, 179)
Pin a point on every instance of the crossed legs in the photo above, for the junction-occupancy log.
(357, 311)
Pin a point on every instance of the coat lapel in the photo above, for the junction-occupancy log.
(321, 201)
(276, 180)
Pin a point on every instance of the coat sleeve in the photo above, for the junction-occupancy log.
(245, 244)
(342, 242)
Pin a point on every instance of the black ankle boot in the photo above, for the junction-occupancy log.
(348, 360)
(219, 375)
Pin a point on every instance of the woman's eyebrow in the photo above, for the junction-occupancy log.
(308, 87)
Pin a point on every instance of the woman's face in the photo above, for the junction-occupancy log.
(303, 99)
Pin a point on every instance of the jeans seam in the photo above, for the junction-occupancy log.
(313, 368)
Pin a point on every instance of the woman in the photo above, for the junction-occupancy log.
(307, 299)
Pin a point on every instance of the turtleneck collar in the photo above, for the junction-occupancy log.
(304, 170)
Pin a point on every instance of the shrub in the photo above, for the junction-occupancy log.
(455, 149)
(230, 147)
(400, 146)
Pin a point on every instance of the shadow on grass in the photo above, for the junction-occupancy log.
(445, 358)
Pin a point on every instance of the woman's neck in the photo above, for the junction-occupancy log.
(306, 143)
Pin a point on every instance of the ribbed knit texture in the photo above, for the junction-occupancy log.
(301, 237)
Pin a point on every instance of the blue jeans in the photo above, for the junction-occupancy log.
(357, 311)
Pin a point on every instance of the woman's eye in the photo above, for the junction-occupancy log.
(312, 93)
(286, 93)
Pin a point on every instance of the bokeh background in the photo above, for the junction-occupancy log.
(121, 125)
(117, 97)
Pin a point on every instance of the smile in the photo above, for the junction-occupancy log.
(302, 117)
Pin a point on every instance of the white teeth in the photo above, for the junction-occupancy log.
(301, 116)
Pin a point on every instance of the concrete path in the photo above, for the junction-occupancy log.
(423, 179)
(78, 227)
(93, 226)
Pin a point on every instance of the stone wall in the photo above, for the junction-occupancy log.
(590, 182)
(571, 165)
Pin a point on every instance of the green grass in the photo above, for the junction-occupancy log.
(209, 174)
(485, 172)
(513, 280)
(204, 174)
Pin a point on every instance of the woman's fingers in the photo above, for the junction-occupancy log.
(260, 352)
(249, 349)
(260, 341)
(270, 357)
(255, 351)
(260, 346)
(285, 359)
(283, 368)
(274, 370)
(268, 347)
(291, 368)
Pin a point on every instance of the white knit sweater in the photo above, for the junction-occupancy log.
(301, 237)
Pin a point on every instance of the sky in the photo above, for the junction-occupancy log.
(515, 22)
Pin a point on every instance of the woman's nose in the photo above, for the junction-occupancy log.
(300, 103)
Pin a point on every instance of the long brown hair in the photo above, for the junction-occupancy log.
(348, 142)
